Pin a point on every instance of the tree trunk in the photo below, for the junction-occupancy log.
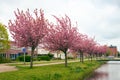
(65, 59)
(91, 56)
(88, 57)
(97, 56)
(31, 60)
(82, 57)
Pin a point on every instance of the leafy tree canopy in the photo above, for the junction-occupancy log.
(4, 42)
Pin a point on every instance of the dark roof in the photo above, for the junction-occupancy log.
(111, 46)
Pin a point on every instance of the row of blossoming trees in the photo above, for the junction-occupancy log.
(31, 30)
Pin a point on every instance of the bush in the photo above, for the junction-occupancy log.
(4, 60)
(38, 58)
(70, 57)
(35, 59)
(47, 58)
(21, 58)
(50, 55)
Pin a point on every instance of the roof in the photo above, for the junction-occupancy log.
(112, 46)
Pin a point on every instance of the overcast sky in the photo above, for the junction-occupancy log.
(96, 18)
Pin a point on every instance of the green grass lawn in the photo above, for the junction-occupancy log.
(74, 71)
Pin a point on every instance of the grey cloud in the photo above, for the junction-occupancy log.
(110, 35)
(109, 26)
(105, 2)
(10, 4)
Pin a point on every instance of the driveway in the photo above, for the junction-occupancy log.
(5, 68)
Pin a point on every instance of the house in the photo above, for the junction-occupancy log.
(112, 50)
(14, 51)
(57, 54)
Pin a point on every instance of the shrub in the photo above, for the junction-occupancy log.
(70, 58)
(35, 59)
(27, 58)
(47, 58)
(50, 55)
(4, 60)
(21, 58)
(38, 58)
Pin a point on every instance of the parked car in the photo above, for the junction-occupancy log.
(110, 57)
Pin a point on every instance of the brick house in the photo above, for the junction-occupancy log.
(14, 51)
(113, 50)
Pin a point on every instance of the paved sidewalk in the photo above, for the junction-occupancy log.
(5, 68)
(53, 63)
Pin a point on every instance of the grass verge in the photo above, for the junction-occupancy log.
(75, 71)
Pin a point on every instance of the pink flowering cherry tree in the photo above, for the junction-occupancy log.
(60, 36)
(91, 47)
(28, 30)
(79, 45)
(102, 50)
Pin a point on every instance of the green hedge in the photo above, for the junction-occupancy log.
(21, 58)
(47, 58)
(50, 55)
(70, 57)
(4, 60)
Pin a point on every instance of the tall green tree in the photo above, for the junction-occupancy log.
(4, 42)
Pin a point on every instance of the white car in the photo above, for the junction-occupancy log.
(110, 57)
